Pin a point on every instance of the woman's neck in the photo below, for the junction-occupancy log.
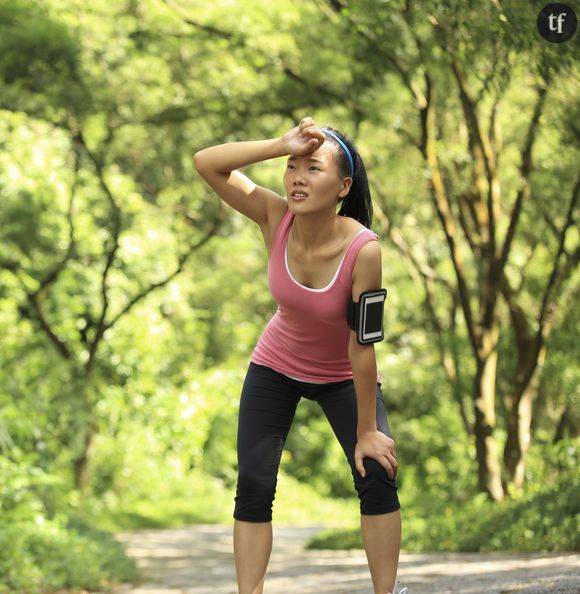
(314, 230)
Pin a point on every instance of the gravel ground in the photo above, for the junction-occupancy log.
(199, 560)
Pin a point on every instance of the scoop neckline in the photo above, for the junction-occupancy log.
(336, 274)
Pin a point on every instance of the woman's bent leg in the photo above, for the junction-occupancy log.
(267, 408)
(380, 515)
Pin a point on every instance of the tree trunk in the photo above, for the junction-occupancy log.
(566, 425)
(457, 384)
(86, 429)
(518, 425)
(489, 471)
(519, 408)
(81, 462)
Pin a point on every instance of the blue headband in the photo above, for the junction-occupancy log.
(344, 147)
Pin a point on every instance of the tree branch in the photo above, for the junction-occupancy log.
(464, 200)
(559, 274)
(115, 233)
(60, 345)
(36, 298)
(181, 264)
(443, 209)
(486, 174)
(525, 171)
(545, 214)
(394, 233)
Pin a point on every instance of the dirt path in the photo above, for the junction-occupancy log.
(198, 560)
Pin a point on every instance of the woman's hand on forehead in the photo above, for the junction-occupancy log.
(308, 128)
(304, 138)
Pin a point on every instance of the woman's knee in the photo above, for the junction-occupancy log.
(377, 491)
(254, 497)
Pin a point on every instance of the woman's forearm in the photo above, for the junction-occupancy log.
(224, 158)
(364, 372)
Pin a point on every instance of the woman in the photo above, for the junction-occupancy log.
(318, 261)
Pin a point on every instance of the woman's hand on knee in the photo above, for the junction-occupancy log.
(379, 447)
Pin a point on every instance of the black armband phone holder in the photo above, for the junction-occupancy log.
(366, 316)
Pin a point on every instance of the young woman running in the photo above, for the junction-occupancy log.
(317, 261)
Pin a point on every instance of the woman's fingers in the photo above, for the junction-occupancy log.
(394, 466)
(390, 456)
(390, 465)
(387, 461)
(308, 127)
(305, 122)
(311, 131)
(379, 447)
(313, 144)
(304, 138)
(312, 139)
(383, 461)
(358, 462)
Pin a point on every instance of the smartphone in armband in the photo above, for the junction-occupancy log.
(365, 317)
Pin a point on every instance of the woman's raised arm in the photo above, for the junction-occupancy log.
(219, 165)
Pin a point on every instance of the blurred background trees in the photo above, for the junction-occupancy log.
(130, 299)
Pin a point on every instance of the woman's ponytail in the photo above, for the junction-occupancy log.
(357, 203)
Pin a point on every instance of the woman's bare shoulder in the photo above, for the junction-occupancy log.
(276, 213)
(351, 226)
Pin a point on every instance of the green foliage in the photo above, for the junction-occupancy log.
(545, 518)
(169, 501)
(44, 545)
(39, 60)
(50, 554)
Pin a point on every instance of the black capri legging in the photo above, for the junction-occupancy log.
(267, 408)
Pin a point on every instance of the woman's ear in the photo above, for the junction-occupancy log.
(346, 185)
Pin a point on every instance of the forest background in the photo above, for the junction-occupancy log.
(131, 299)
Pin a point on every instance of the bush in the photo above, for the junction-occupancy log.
(48, 555)
(43, 550)
(540, 521)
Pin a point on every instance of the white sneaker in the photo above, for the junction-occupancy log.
(402, 591)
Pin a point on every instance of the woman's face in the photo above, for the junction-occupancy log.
(313, 182)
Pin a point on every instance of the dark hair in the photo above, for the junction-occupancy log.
(357, 203)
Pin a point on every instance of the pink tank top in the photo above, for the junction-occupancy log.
(307, 338)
